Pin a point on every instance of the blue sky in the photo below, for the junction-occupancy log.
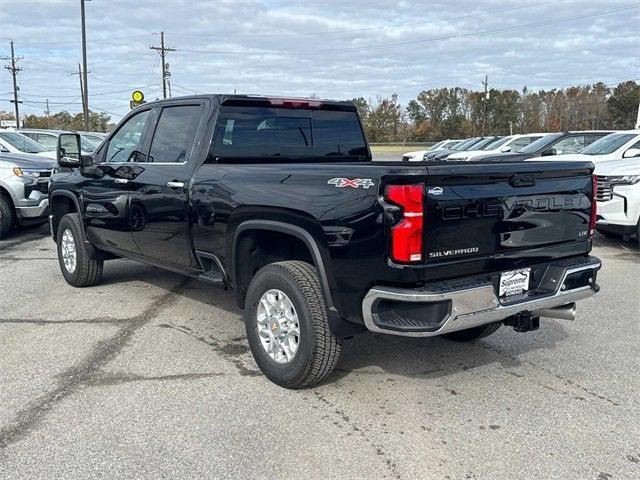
(335, 49)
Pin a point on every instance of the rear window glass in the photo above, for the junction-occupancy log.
(250, 132)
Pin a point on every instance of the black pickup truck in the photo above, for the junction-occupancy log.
(280, 201)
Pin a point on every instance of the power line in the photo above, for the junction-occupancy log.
(413, 42)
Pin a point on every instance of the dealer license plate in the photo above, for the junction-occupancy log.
(514, 282)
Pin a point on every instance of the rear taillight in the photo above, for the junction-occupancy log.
(594, 206)
(406, 235)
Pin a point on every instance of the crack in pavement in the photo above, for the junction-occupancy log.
(92, 321)
(567, 381)
(229, 352)
(391, 465)
(105, 380)
(74, 377)
(18, 259)
(22, 241)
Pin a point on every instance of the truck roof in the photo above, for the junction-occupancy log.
(276, 101)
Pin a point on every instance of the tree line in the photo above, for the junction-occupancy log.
(442, 113)
(98, 122)
(455, 112)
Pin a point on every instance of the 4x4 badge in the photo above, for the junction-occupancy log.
(351, 182)
(435, 191)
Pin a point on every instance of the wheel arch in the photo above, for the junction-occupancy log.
(300, 234)
(61, 203)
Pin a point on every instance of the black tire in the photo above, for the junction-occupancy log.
(7, 216)
(88, 270)
(473, 333)
(318, 349)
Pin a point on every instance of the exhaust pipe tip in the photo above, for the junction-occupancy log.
(563, 312)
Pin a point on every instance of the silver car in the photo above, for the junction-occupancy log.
(24, 190)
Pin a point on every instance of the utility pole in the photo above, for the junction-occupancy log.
(510, 127)
(638, 119)
(485, 101)
(162, 50)
(85, 89)
(13, 69)
(47, 112)
(84, 103)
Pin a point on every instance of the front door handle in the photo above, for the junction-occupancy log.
(121, 180)
(174, 184)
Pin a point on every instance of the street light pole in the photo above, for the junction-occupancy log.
(85, 103)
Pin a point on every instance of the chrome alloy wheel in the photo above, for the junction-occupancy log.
(278, 326)
(68, 247)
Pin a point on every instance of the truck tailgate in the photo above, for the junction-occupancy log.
(477, 211)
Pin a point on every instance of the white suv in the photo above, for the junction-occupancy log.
(417, 155)
(618, 196)
(512, 143)
(624, 144)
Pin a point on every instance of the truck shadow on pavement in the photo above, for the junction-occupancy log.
(369, 354)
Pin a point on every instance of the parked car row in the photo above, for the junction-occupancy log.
(43, 142)
(616, 155)
(27, 158)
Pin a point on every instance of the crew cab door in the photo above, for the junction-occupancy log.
(159, 193)
(105, 190)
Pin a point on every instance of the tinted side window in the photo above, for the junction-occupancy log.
(126, 144)
(572, 144)
(49, 142)
(337, 133)
(277, 132)
(174, 135)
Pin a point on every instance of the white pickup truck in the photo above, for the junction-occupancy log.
(618, 196)
(623, 144)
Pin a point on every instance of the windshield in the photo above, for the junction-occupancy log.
(437, 145)
(608, 144)
(464, 143)
(87, 145)
(541, 143)
(498, 143)
(93, 138)
(492, 143)
(22, 142)
(482, 143)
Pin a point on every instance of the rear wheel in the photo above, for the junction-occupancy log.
(78, 267)
(473, 333)
(7, 216)
(287, 325)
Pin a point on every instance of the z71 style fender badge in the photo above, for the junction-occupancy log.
(351, 182)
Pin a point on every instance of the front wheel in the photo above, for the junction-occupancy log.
(78, 267)
(287, 325)
(7, 216)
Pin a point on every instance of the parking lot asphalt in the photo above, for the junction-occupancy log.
(148, 375)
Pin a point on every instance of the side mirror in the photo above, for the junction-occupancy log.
(69, 153)
(4, 149)
(631, 152)
(548, 152)
(505, 149)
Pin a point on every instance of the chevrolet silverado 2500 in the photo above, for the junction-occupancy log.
(278, 200)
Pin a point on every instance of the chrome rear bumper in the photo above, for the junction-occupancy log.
(473, 302)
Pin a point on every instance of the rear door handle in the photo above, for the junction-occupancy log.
(174, 184)
(121, 180)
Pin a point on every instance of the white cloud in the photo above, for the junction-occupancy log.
(47, 34)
